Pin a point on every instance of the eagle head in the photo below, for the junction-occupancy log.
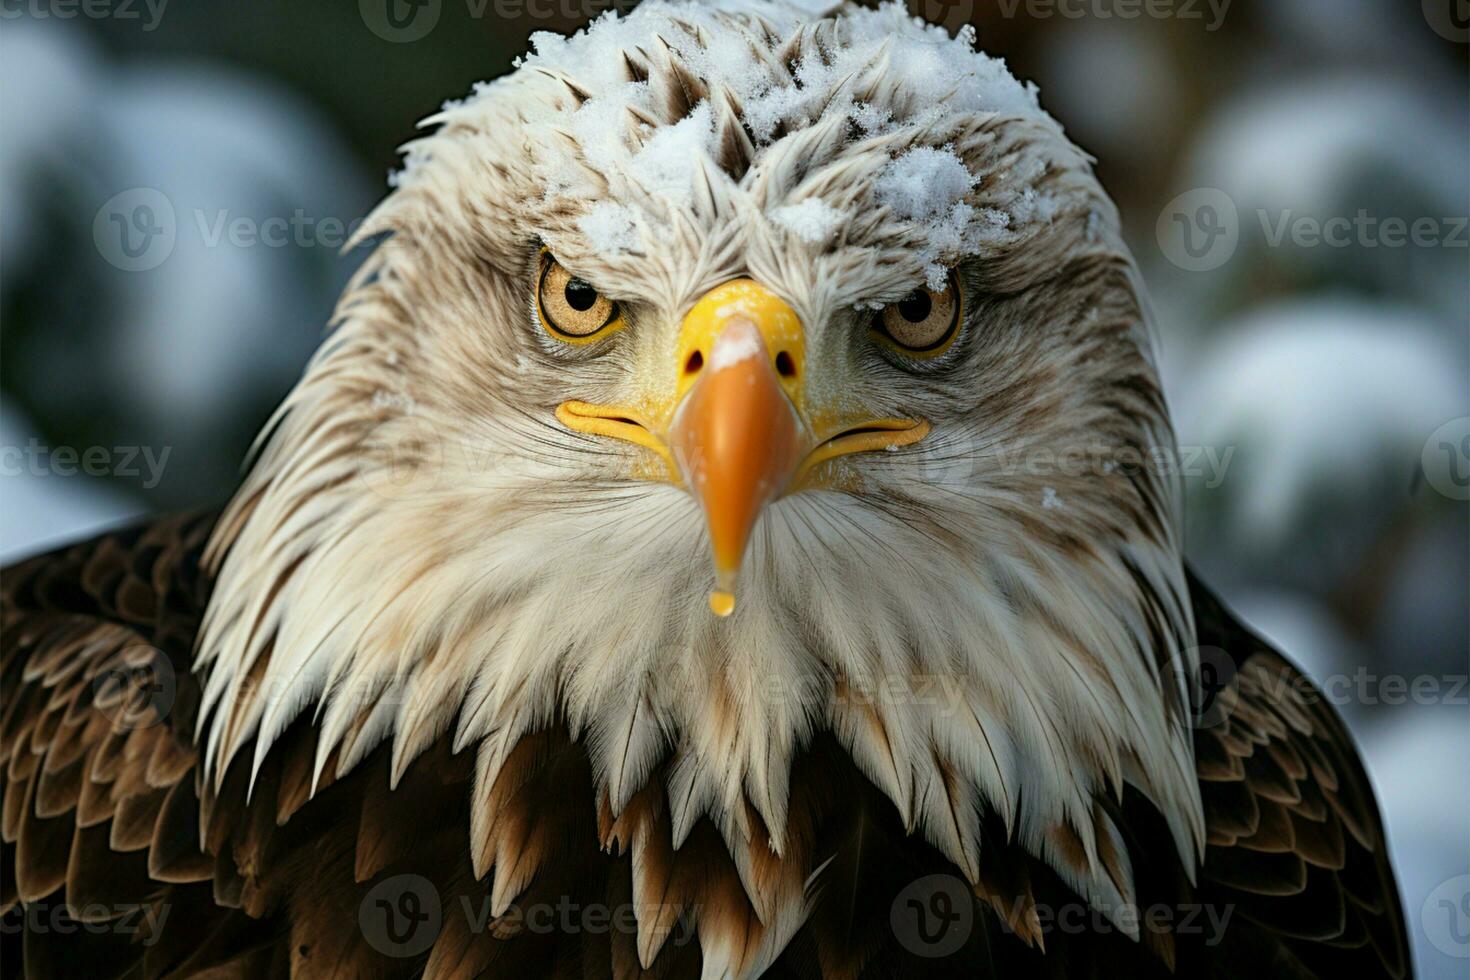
(722, 376)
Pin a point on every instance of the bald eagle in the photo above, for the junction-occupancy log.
(728, 533)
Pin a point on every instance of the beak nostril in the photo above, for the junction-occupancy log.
(695, 362)
(785, 366)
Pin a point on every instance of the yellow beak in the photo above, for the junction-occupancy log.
(737, 435)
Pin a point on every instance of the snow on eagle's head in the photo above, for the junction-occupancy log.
(726, 303)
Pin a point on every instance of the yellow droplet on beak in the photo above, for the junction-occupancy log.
(721, 603)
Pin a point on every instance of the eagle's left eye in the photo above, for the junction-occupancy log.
(923, 323)
(571, 308)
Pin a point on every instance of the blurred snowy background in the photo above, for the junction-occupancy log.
(177, 178)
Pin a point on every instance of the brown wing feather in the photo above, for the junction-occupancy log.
(100, 817)
(1295, 841)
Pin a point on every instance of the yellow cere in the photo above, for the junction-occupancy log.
(749, 299)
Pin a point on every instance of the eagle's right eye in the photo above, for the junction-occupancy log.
(571, 309)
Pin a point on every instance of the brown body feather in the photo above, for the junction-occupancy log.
(119, 862)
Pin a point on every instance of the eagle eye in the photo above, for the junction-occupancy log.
(570, 307)
(924, 322)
